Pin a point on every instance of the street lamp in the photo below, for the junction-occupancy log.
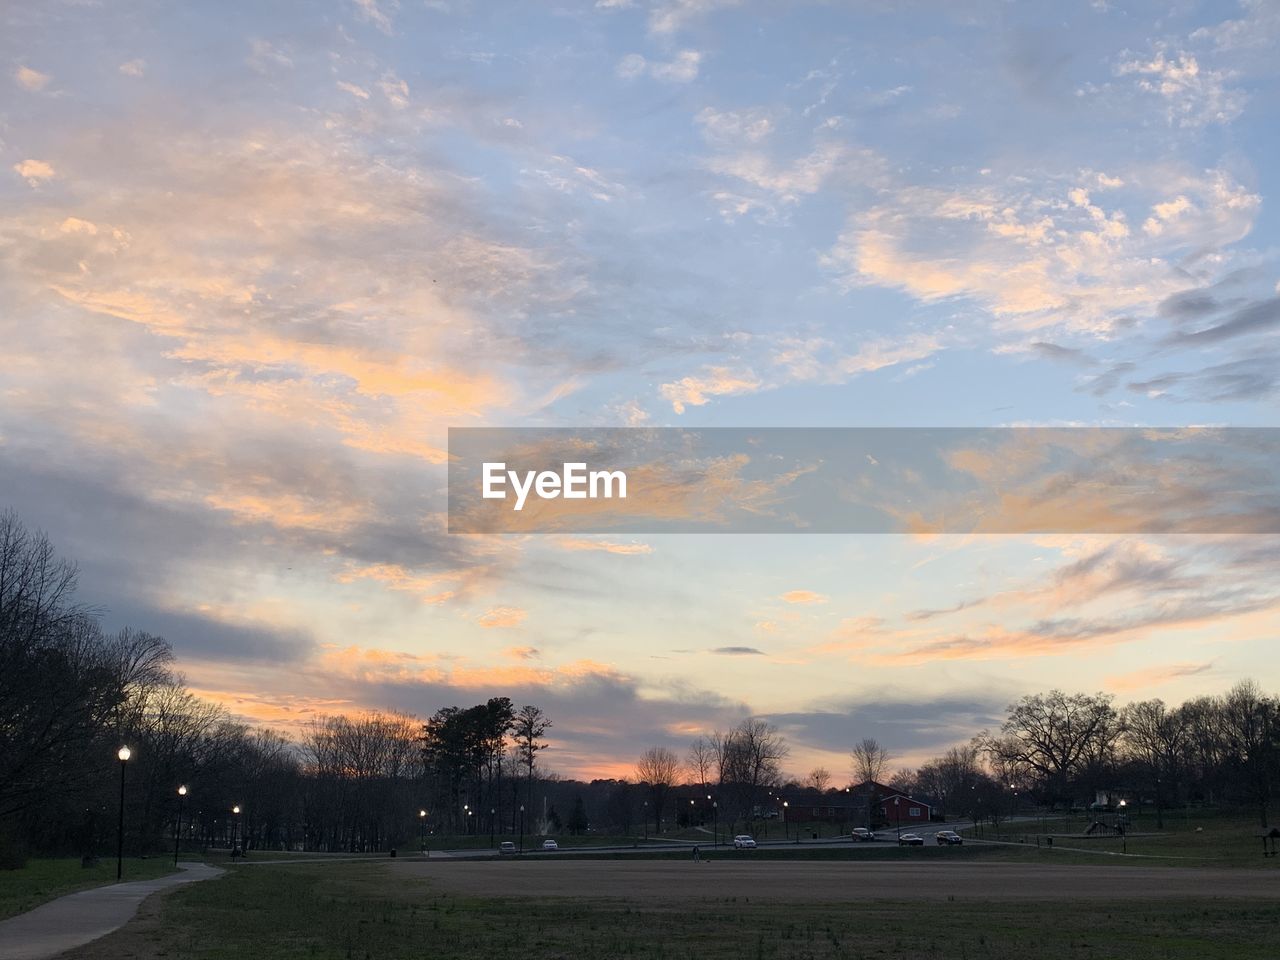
(1124, 838)
(522, 828)
(786, 829)
(645, 817)
(422, 830)
(492, 813)
(235, 828)
(124, 753)
(715, 820)
(897, 816)
(177, 828)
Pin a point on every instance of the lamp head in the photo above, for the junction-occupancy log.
(182, 791)
(124, 753)
(236, 808)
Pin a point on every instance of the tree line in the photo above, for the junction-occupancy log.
(71, 694)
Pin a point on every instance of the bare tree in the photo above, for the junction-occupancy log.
(1053, 738)
(1155, 741)
(659, 770)
(870, 760)
(702, 761)
(819, 779)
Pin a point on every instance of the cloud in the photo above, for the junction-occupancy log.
(1143, 680)
(738, 652)
(804, 176)
(683, 68)
(133, 68)
(30, 79)
(503, 618)
(734, 126)
(804, 596)
(668, 16)
(696, 391)
(1044, 259)
(373, 11)
(604, 546)
(1258, 317)
(359, 93)
(35, 171)
(1193, 96)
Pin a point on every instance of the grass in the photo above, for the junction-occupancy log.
(1205, 840)
(357, 911)
(42, 880)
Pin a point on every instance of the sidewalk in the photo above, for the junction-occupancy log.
(80, 918)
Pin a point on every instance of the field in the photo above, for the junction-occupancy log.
(41, 880)
(766, 908)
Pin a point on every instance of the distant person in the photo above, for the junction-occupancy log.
(697, 853)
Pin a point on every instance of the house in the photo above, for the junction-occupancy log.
(898, 808)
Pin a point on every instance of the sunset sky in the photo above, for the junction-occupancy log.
(256, 259)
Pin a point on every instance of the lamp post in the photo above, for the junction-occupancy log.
(522, 828)
(123, 753)
(177, 828)
(715, 820)
(235, 828)
(786, 829)
(422, 830)
(492, 814)
(1124, 839)
(645, 817)
(897, 818)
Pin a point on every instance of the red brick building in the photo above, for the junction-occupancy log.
(899, 808)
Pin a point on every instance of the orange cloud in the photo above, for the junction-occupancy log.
(503, 617)
(1155, 676)
(606, 546)
(804, 596)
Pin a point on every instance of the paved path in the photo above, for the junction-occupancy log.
(83, 917)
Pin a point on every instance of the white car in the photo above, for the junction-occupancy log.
(743, 842)
(506, 847)
(911, 840)
(550, 845)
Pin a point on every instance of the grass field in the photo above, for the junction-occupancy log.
(42, 880)
(1228, 840)
(362, 911)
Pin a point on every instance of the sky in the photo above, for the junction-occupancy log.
(256, 259)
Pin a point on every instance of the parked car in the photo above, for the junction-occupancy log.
(948, 837)
(863, 835)
(506, 846)
(743, 842)
(550, 845)
(911, 840)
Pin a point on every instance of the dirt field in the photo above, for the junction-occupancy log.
(648, 880)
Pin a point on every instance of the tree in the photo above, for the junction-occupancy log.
(658, 769)
(701, 762)
(819, 779)
(1155, 740)
(870, 760)
(1251, 724)
(1053, 738)
(530, 726)
(578, 817)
